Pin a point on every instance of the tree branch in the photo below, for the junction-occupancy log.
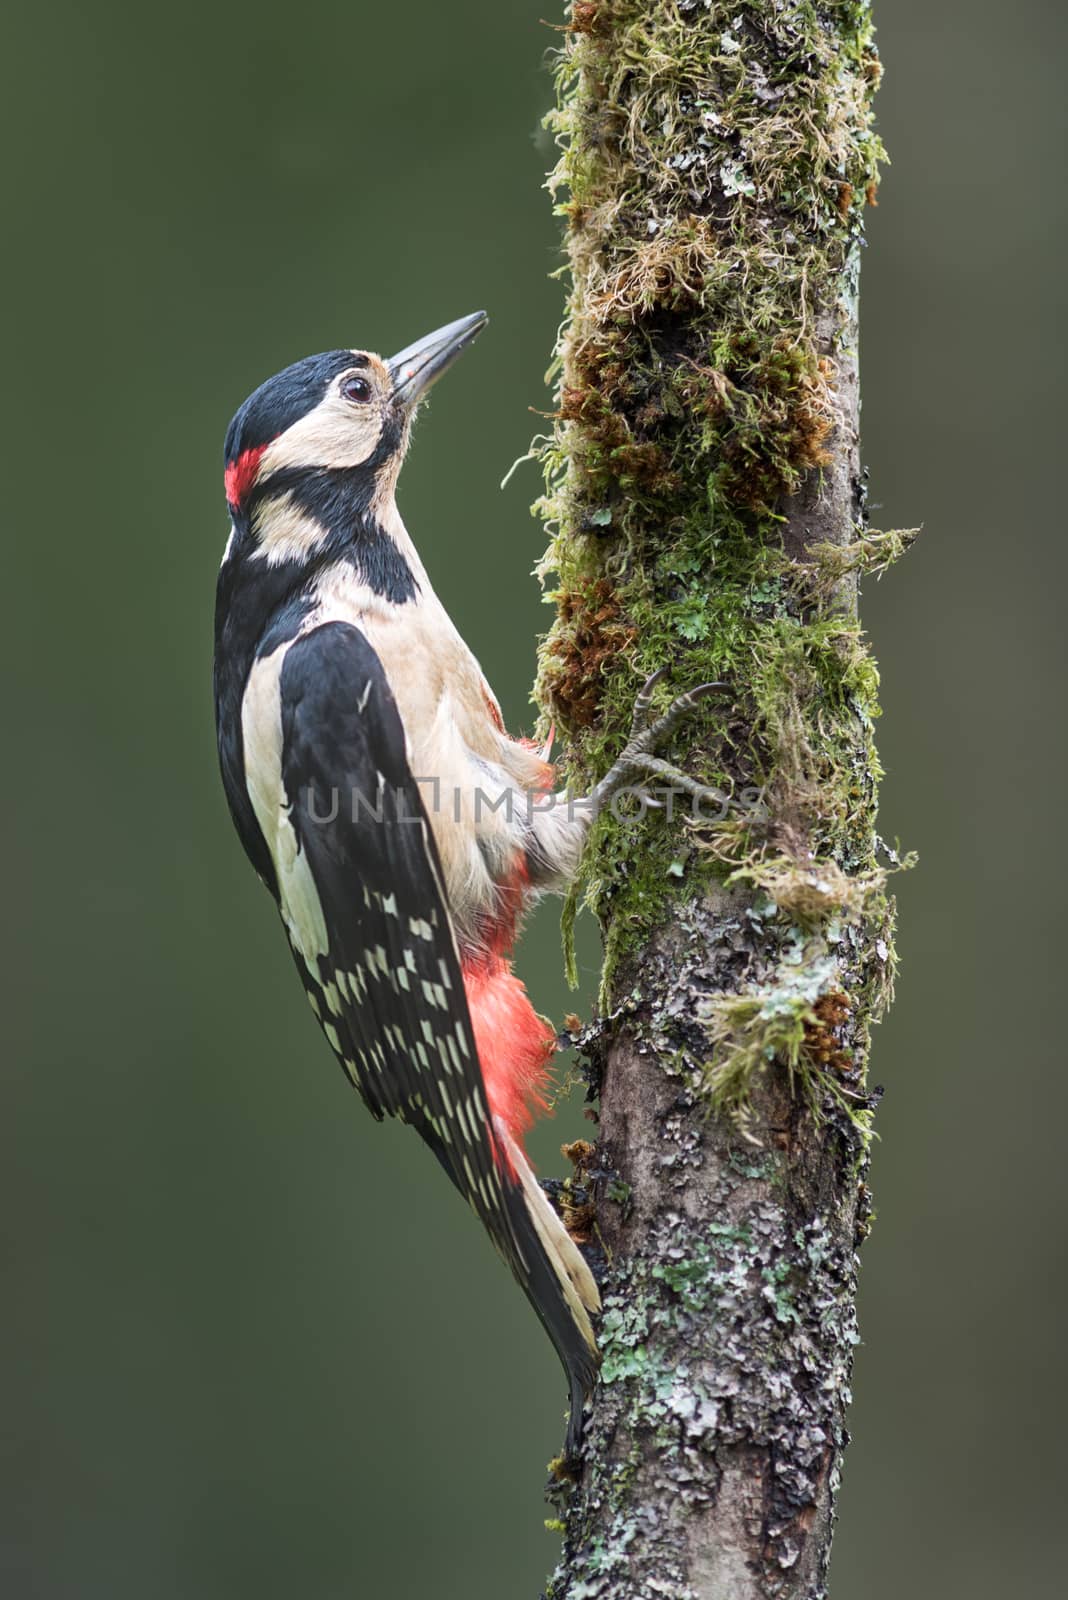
(706, 505)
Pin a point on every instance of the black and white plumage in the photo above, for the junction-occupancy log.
(342, 689)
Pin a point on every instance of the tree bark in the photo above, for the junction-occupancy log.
(706, 504)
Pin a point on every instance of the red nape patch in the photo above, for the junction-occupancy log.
(241, 475)
(515, 1046)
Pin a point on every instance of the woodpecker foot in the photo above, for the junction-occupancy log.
(637, 761)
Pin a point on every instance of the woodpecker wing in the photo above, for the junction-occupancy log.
(377, 953)
(370, 928)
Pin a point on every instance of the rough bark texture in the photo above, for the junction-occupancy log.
(706, 502)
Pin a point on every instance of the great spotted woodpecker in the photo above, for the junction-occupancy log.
(399, 828)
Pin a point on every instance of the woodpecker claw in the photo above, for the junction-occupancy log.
(637, 757)
(655, 733)
(643, 702)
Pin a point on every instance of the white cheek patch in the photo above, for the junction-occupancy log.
(336, 434)
(285, 532)
(261, 729)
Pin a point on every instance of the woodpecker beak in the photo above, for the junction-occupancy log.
(422, 363)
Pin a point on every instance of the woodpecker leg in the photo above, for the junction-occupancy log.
(654, 767)
(637, 759)
(557, 833)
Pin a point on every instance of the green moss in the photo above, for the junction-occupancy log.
(714, 199)
(871, 554)
(787, 1021)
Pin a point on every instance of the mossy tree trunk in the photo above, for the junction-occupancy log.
(706, 504)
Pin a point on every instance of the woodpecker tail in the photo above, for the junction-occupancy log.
(557, 1282)
(515, 1047)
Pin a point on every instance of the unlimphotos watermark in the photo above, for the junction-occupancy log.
(628, 804)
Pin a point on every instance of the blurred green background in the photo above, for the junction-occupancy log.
(252, 1345)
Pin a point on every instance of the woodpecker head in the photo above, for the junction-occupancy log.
(312, 456)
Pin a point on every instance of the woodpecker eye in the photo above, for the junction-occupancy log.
(357, 389)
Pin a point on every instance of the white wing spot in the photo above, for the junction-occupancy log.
(431, 991)
(467, 1121)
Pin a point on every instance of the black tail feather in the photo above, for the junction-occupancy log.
(540, 1281)
(543, 1289)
